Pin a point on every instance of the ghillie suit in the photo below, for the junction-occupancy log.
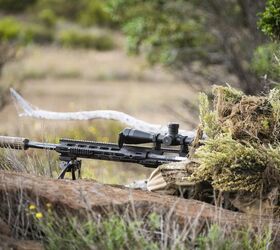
(238, 165)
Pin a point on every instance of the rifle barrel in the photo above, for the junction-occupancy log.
(42, 145)
(22, 143)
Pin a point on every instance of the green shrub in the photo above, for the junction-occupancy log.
(10, 29)
(104, 42)
(85, 12)
(216, 238)
(270, 19)
(266, 61)
(64, 8)
(77, 39)
(37, 33)
(168, 32)
(95, 14)
(122, 231)
(111, 232)
(47, 17)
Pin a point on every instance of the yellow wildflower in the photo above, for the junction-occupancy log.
(92, 130)
(49, 205)
(39, 215)
(32, 207)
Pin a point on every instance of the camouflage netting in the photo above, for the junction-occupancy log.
(238, 164)
(241, 156)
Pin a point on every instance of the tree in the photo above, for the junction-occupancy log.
(178, 32)
(270, 19)
(266, 60)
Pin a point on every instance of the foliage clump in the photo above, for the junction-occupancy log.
(77, 39)
(265, 61)
(170, 32)
(241, 152)
(126, 231)
(270, 19)
(230, 165)
(250, 118)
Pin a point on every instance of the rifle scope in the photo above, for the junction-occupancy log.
(171, 138)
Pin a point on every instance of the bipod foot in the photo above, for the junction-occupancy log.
(70, 166)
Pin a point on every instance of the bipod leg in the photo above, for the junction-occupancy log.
(70, 166)
(76, 166)
(73, 173)
(79, 166)
(79, 173)
(67, 168)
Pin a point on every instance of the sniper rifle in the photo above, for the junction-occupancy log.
(175, 149)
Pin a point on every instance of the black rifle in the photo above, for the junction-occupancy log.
(70, 150)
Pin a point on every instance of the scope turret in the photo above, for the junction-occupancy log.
(171, 138)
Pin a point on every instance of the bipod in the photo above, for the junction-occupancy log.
(70, 166)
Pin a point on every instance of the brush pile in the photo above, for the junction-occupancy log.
(241, 156)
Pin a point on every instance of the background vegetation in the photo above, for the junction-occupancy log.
(177, 34)
(79, 25)
(125, 231)
(193, 36)
(180, 32)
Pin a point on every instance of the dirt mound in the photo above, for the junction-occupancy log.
(81, 196)
(82, 199)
